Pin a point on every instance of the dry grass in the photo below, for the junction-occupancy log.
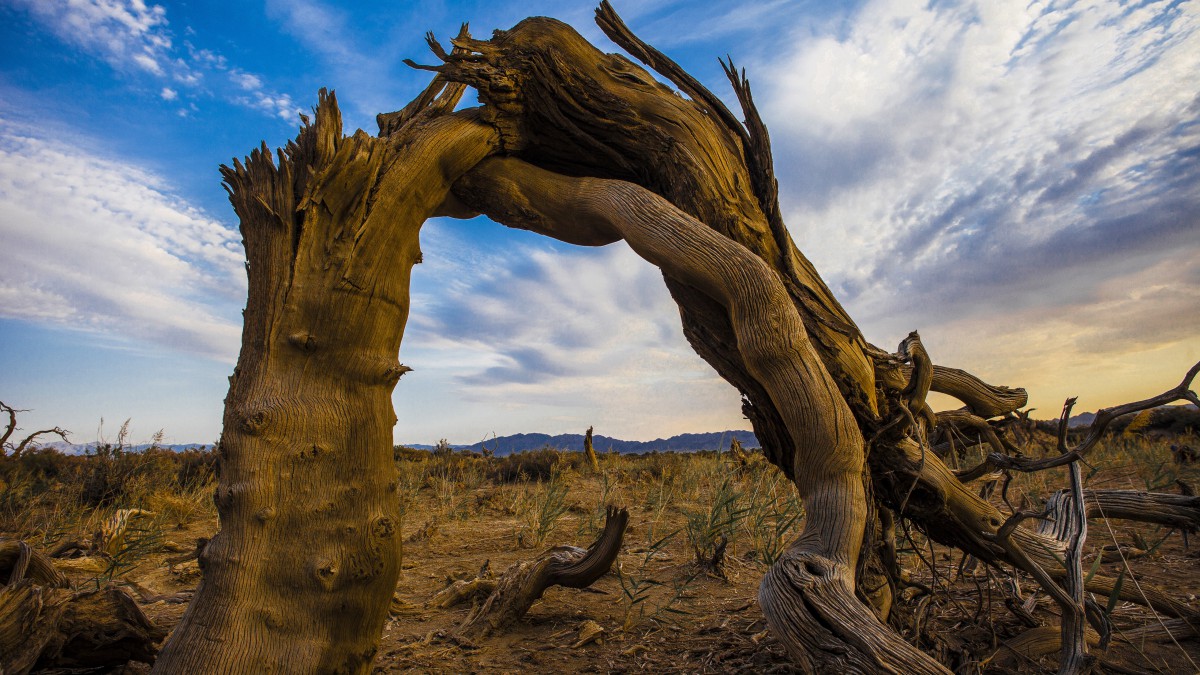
(664, 608)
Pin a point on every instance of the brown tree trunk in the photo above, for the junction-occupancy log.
(752, 306)
(812, 587)
(300, 575)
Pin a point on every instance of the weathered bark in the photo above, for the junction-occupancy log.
(44, 623)
(300, 575)
(523, 584)
(811, 591)
(568, 110)
(590, 451)
(1075, 658)
(1176, 511)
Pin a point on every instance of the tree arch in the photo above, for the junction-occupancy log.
(587, 148)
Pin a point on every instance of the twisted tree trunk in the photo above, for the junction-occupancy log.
(301, 573)
(582, 128)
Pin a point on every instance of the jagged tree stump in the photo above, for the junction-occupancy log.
(299, 577)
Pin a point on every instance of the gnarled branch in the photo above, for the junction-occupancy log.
(524, 583)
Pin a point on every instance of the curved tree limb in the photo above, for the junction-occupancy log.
(524, 583)
(10, 427)
(810, 592)
(982, 399)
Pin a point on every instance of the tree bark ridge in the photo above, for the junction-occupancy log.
(301, 572)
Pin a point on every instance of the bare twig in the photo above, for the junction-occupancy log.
(1094, 433)
(1074, 658)
(61, 433)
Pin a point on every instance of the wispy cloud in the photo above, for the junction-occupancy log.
(566, 335)
(128, 34)
(952, 165)
(135, 38)
(96, 244)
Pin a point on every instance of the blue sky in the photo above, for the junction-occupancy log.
(1017, 180)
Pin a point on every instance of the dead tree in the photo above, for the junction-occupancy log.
(588, 148)
(597, 150)
(590, 451)
(524, 582)
(14, 451)
(45, 623)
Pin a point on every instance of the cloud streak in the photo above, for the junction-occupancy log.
(956, 165)
(99, 245)
(135, 39)
(558, 335)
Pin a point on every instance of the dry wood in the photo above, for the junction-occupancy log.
(523, 584)
(1176, 511)
(1074, 658)
(775, 348)
(590, 452)
(15, 451)
(593, 150)
(307, 556)
(45, 623)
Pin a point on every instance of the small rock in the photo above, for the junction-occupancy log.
(589, 632)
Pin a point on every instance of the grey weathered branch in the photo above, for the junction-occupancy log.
(1074, 658)
(1176, 511)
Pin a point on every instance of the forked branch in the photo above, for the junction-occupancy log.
(1096, 430)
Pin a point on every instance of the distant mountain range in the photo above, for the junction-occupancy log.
(506, 445)
(85, 448)
(1081, 420)
(1171, 416)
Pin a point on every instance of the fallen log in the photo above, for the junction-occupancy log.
(523, 583)
(45, 623)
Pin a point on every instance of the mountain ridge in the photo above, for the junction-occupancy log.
(687, 442)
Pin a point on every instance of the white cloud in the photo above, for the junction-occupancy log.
(122, 32)
(100, 245)
(535, 337)
(134, 37)
(245, 80)
(1005, 164)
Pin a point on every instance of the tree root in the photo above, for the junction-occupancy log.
(810, 604)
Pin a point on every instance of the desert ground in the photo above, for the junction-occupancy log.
(682, 597)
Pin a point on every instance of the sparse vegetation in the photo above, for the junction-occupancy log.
(460, 511)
